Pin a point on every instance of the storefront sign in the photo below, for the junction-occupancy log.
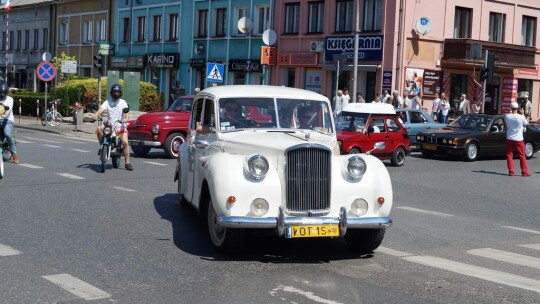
(432, 82)
(387, 81)
(163, 60)
(532, 72)
(197, 63)
(245, 66)
(313, 80)
(268, 55)
(126, 62)
(509, 94)
(297, 59)
(369, 47)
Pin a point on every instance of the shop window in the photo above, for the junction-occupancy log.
(316, 17)
(344, 15)
(458, 86)
(292, 18)
(239, 78)
(528, 31)
(496, 27)
(462, 22)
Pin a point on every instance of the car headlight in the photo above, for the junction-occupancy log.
(257, 166)
(359, 207)
(107, 131)
(445, 141)
(155, 129)
(356, 167)
(419, 138)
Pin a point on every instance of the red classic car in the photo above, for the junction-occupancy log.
(164, 130)
(360, 125)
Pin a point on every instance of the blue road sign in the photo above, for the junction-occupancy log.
(215, 72)
(46, 71)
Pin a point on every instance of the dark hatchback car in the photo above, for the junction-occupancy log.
(163, 130)
(473, 135)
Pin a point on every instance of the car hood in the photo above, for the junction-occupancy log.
(150, 118)
(448, 132)
(274, 143)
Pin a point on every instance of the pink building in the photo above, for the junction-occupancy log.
(433, 46)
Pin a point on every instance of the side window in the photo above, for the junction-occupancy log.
(498, 125)
(196, 113)
(208, 117)
(423, 118)
(403, 116)
(377, 124)
(415, 117)
(392, 125)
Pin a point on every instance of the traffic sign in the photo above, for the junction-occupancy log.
(215, 72)
(46, 71)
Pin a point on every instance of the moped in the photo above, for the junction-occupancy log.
(111, 142)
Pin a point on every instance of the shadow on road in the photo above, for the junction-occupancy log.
(190, 236)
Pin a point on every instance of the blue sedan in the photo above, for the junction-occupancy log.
(415, 121)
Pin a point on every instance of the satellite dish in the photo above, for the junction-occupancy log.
(245, 25)
(269, 37)
(423, 25)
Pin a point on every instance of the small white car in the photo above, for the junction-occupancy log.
(267, 157)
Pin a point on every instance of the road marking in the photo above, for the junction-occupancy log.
(425, 211)
(522, 229)
(477, 272)
(43, 139)
(7, 251)
(393, 252)
(30, 166)
(532, 246)
(78, 150)
(308, 294)
(124, 189)
(24, 141)
(155, 163)
(508, 257)
(51, 146)
(70, 176)
(77, 287)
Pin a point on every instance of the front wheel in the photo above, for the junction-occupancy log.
(471, 152)
(116, 161)
(398, 158)
(529, 150)
(225, 240)
(364, 240)
(354, 151)
(103, 156)
(172, 144)
(140, 150)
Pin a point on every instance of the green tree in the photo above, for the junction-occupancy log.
(57, 61)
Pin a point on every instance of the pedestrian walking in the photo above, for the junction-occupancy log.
(445, 108)
(464, 105)
(527, 107)
(338, 102)
(360, 98)
(436, 107)
(515, 122)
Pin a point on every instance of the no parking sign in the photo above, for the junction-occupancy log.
(46, 71)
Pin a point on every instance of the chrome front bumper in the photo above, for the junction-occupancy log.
(143, 143)
(281, 222)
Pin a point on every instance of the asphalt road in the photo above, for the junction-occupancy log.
(462, 233)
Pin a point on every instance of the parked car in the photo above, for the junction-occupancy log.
(285, 174)
(474, 135)
(415, 121)
(383, 125)
(163, 130)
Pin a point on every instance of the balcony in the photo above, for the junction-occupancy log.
(509, 55)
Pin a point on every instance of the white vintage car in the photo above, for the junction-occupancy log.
(262, 157)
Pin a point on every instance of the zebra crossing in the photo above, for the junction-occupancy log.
(530, 261)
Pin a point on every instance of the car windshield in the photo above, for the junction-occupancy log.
(274, 113)
(351, 121)
(471, 122)
(181, 104)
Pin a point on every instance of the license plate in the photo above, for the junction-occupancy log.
(136, 143)
(430, 147)
(312, 231)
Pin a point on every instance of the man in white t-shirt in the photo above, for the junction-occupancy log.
(7, 121)
(346, 97)
(115, 107)
(417, 101)
(515, 122)
(385, 96)
(436, 106)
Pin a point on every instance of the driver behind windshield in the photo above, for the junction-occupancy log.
(307, 118)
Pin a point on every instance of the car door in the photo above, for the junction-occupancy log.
(377, 131)
(497, 136)
(418, 122)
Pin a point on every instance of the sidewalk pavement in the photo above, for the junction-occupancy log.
(85, 129)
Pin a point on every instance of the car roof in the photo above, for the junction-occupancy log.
(261, 91)
(370, 108)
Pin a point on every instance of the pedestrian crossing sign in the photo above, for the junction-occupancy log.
(215, 72)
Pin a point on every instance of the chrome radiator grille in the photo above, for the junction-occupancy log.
(308, 180)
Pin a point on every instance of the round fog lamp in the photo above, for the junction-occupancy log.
(259, 207)
(359, 207)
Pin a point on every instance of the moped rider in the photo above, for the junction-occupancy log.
(114, 107)
(7, 120)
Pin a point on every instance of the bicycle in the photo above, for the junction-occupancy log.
(51, 116)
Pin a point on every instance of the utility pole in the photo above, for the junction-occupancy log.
(356, 42)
